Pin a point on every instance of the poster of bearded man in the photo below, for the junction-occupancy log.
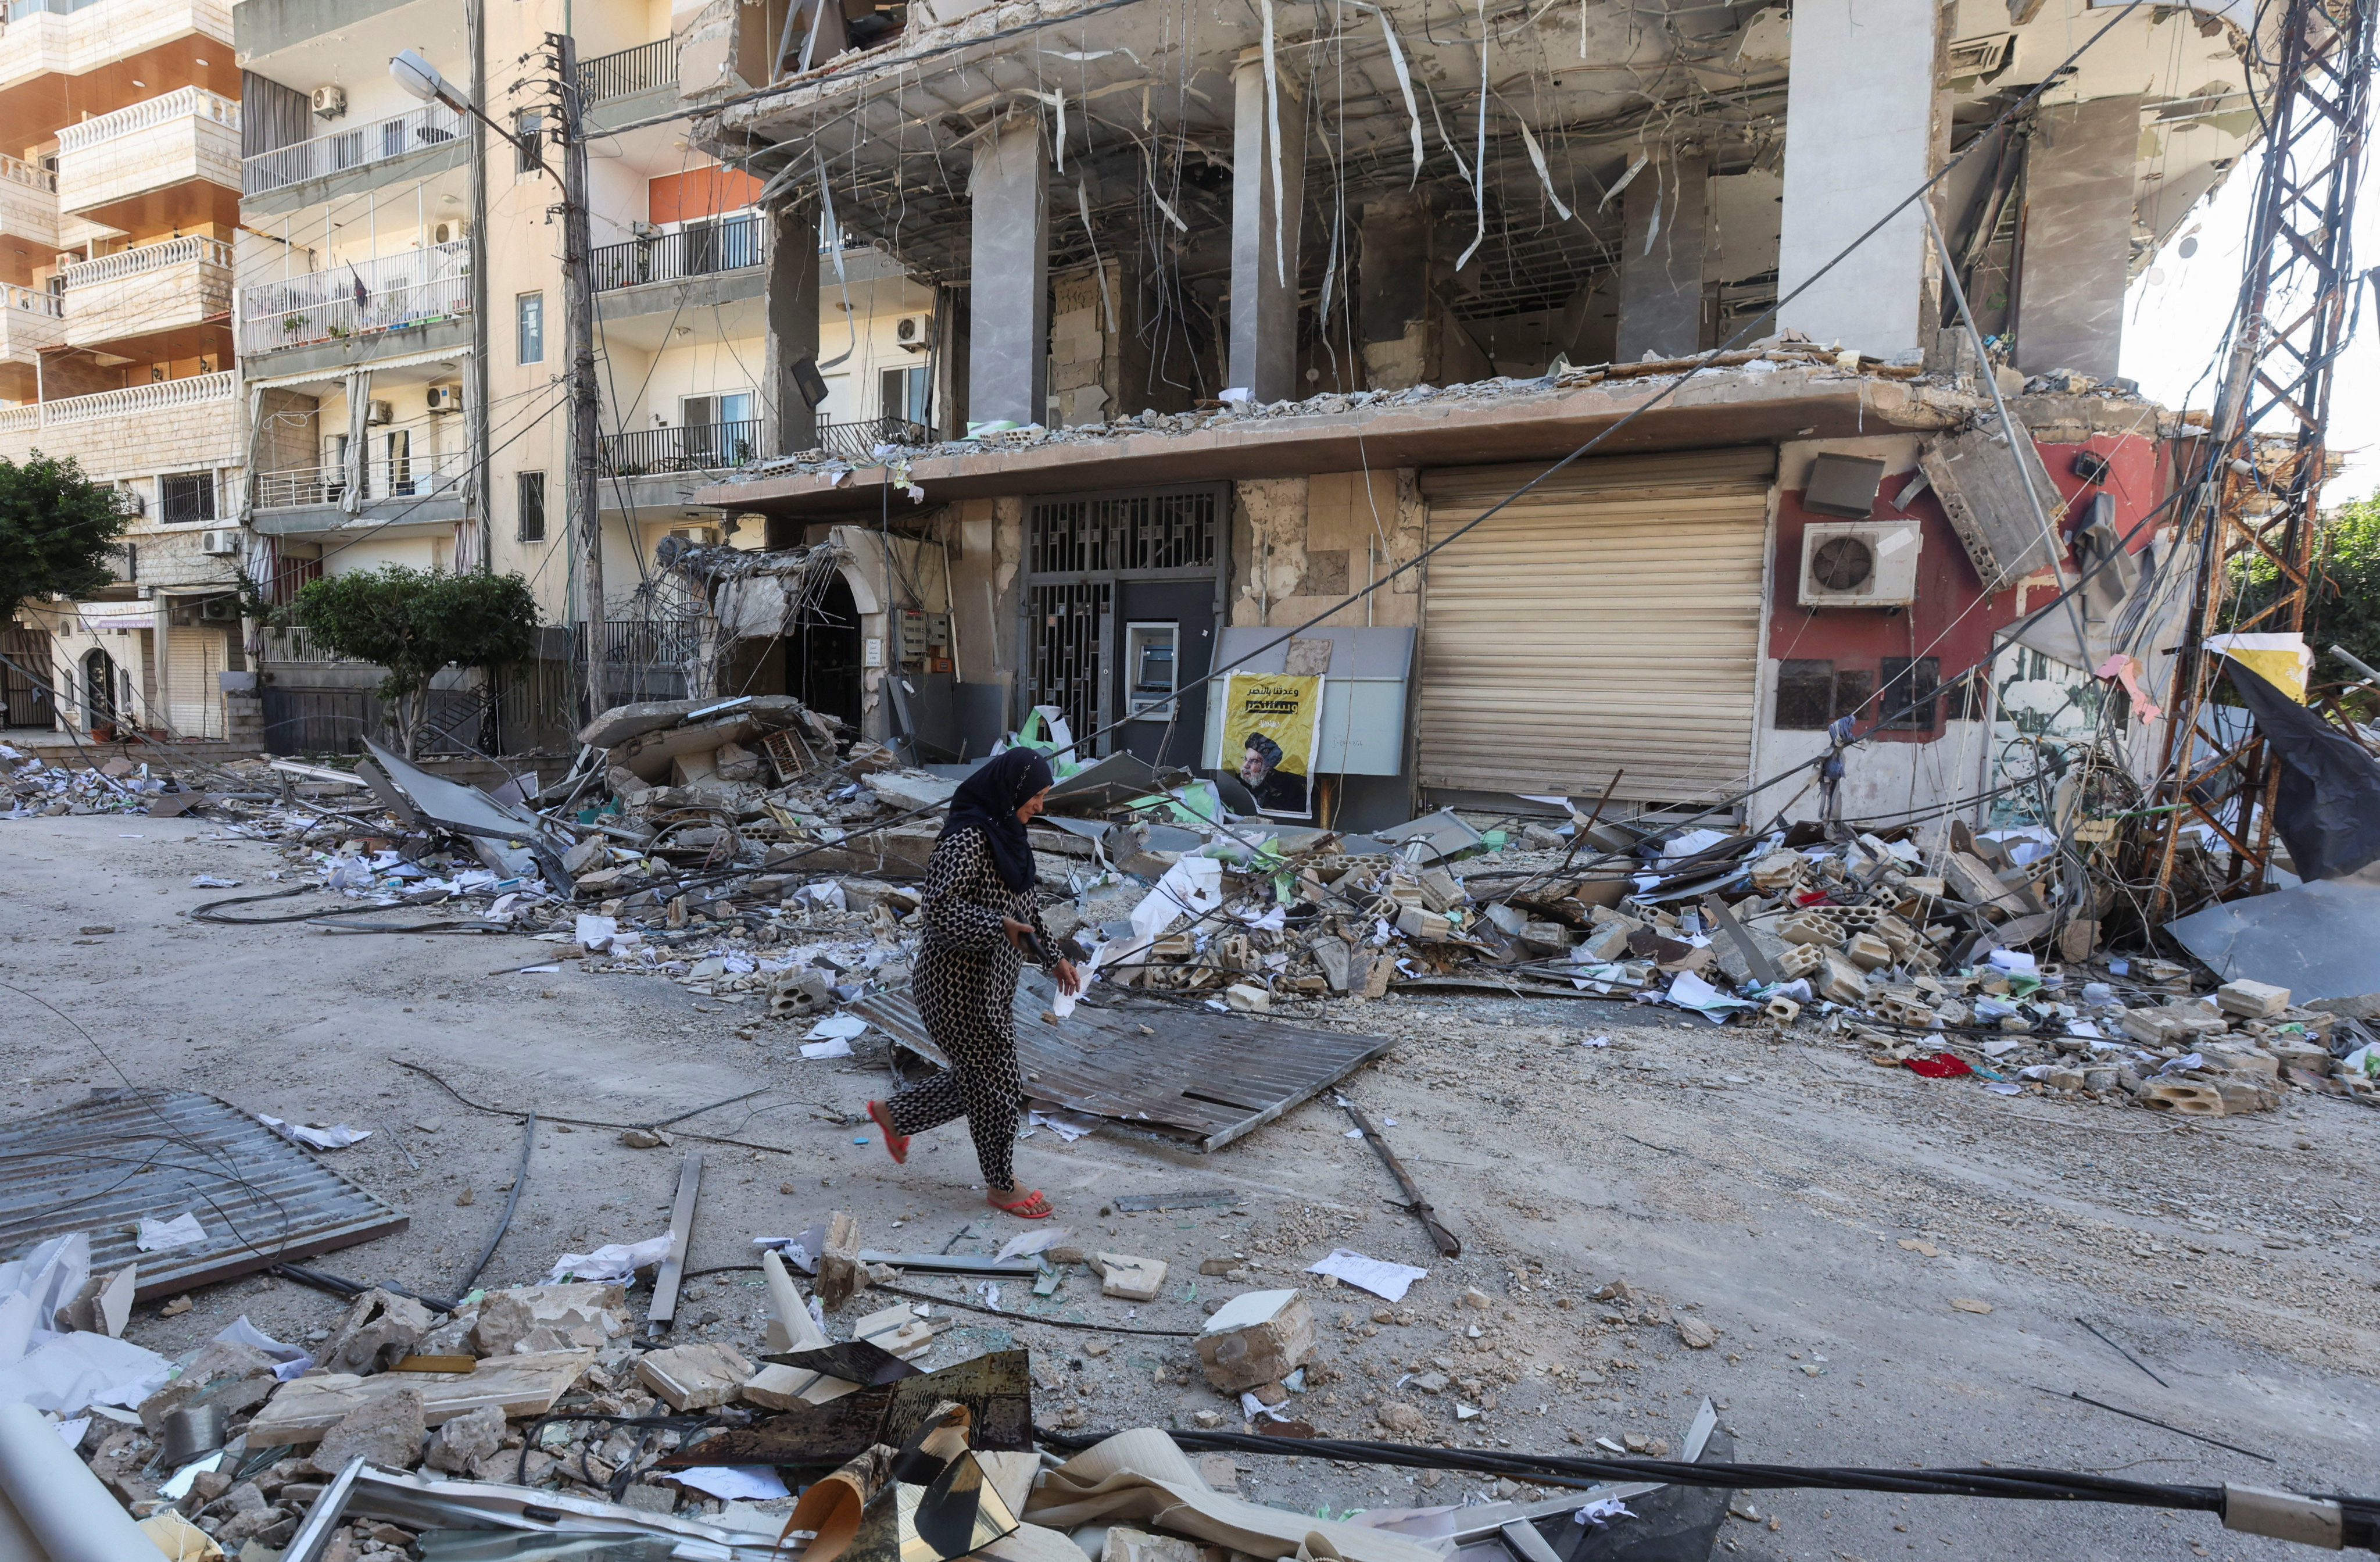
(1271, 726)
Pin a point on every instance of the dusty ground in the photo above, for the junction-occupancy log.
(1821, 1213)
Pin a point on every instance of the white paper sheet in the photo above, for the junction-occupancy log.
(615, 1261)
(836, 1048)
(732, 1482)
(337, 1137)
(1378, 1276)
(182, 1231)
(837, 1027)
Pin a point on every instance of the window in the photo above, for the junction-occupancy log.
(717, 427)
(1811, 694)
(528, 316)
(1911, 682)
(400, 461)
(529, 488)
(1963, 697)
(188, 498)
(528, 139)
(904, 392)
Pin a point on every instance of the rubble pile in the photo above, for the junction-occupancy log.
(34, 788)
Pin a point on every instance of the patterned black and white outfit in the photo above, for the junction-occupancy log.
(965, 982)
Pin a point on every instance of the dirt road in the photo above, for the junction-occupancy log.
(1844, 1228)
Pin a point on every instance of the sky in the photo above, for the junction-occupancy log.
(2176, 312)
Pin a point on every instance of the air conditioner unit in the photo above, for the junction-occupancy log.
(450, 231)
(1860, 564)
(131, 501)
(910, 331)
(329, 103)
(221, 544)
(445, 398)
(219, 609)
(379, 412)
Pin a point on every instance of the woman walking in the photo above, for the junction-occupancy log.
(979, 912)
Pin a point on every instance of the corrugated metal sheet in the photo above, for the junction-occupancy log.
(102, 1163)
(1609, 620)
(1203, 1078)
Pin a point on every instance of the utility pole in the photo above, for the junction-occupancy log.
(585, 499)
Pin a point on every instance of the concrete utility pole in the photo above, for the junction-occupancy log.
(578, 312)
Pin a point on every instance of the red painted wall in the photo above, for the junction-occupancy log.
(702, 193)
(1946, 620)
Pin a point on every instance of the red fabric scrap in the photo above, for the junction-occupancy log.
(1939, 1066)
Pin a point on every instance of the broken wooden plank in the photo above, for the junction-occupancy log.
(304, 1408)
(673, 1268)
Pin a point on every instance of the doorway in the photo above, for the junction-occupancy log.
(822, 655)
(24, 688)
(99, 691)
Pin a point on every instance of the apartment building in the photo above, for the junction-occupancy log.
(1250, 305)
(119, 210)
(402, 331)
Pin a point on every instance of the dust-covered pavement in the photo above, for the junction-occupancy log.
(1822, 1215)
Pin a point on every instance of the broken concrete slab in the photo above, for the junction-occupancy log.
(1257, 1337)
(1129, 1278)
(519, 1386)
(385, 1430)
(694, 1377)
(524, 1320)
(379, 1330)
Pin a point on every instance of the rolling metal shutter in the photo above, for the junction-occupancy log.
(194, 663)
(1609, 619)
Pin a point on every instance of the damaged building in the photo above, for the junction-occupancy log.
(1235, 314)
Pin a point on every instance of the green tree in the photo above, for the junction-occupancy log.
(415, 622)
(57, 530)
(2344, 607)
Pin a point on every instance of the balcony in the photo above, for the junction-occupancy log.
(172, 161)
(29, 202)
(136, 430)
(75, 38)
(415, 288)
(142, 292)
(857, 442)
(405, 476)
(695, 448)
(644, 68)
(730, 243)
(408, 146)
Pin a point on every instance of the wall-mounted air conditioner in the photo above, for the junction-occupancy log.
(379, 412)
(910, 331)
(1860, 564)
(445, 398)
(223, 544)
(449, 231)
(329, 103)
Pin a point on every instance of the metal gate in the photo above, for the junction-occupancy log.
(1078, 549)
(25, 683)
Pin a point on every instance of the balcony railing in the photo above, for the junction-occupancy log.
(411, 289)
(133, 401)
(33, 301)
(728, 243)
(183, 103)
(430, 125)
(691, 448)
(408, 476)
(628, 72)
(20, 9)
(32, 175)
(148, 258)
(857, 442)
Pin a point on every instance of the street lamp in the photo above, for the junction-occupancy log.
(421, 79)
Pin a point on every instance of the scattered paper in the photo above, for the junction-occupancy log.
(290, 1360)
(1601, 1513)
(836, 1048)
(1025, 1244)
(337, 1137)
(182, 1231)
(837, 1027)
(70, 1431)
(989, 1292)
(1067, 1126)
(731, 1483)
(1378, 1276)
(614, 1262)
(179, 1486)
(597, 931)
(1689, 991)
(1596, 1041)
(209, 881)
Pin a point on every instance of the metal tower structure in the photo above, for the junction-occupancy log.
(2293, 322)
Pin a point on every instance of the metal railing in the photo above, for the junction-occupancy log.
(857, 442)
(15, 170)
(20, 9)
(728, 243)
(627, 72)
(693, 447)
(183, 103)
(359, 146)
(146, 258)
(406, 477)
(411, 289)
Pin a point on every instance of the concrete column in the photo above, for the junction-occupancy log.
(1392, 301)
(791, 327)
(1263, 351)
(1008, 325)
(2078, 237)
(1665, 219)
(1862, 130)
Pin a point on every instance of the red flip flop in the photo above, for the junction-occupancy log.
(1032, 1207)
(895, 1144)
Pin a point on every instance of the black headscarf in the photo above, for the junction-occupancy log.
(988, 800)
